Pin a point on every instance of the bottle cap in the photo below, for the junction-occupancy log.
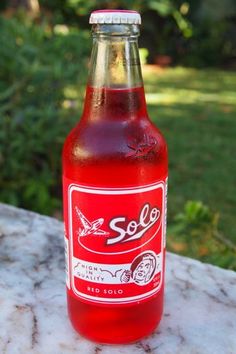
(115, 17)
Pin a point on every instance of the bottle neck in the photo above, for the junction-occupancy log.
(115, 58)
(115, 80)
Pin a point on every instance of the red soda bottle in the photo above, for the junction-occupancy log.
(115, 187)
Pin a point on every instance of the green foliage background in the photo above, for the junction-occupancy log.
(194, 33)
(43, 71)
(37, 65)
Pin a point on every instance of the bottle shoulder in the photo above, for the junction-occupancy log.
(115, 139)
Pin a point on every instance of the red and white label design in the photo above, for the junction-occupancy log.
(115, 240)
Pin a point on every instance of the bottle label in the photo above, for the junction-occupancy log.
(115, 242)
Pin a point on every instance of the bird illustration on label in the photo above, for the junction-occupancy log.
(90, 228)
(125, 230)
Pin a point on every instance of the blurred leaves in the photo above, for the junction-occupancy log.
(195, 233)
(193, 33)
(37, 63)
(162, 7)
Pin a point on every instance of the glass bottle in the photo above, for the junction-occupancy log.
(115, 187)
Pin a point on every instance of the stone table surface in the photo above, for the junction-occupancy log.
(200, 300)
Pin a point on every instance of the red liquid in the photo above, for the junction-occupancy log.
(112, 147)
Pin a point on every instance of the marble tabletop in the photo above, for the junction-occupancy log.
(200, 300)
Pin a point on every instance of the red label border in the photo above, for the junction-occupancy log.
(114, 191)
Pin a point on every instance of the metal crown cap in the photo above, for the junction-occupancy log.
(115, 17)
